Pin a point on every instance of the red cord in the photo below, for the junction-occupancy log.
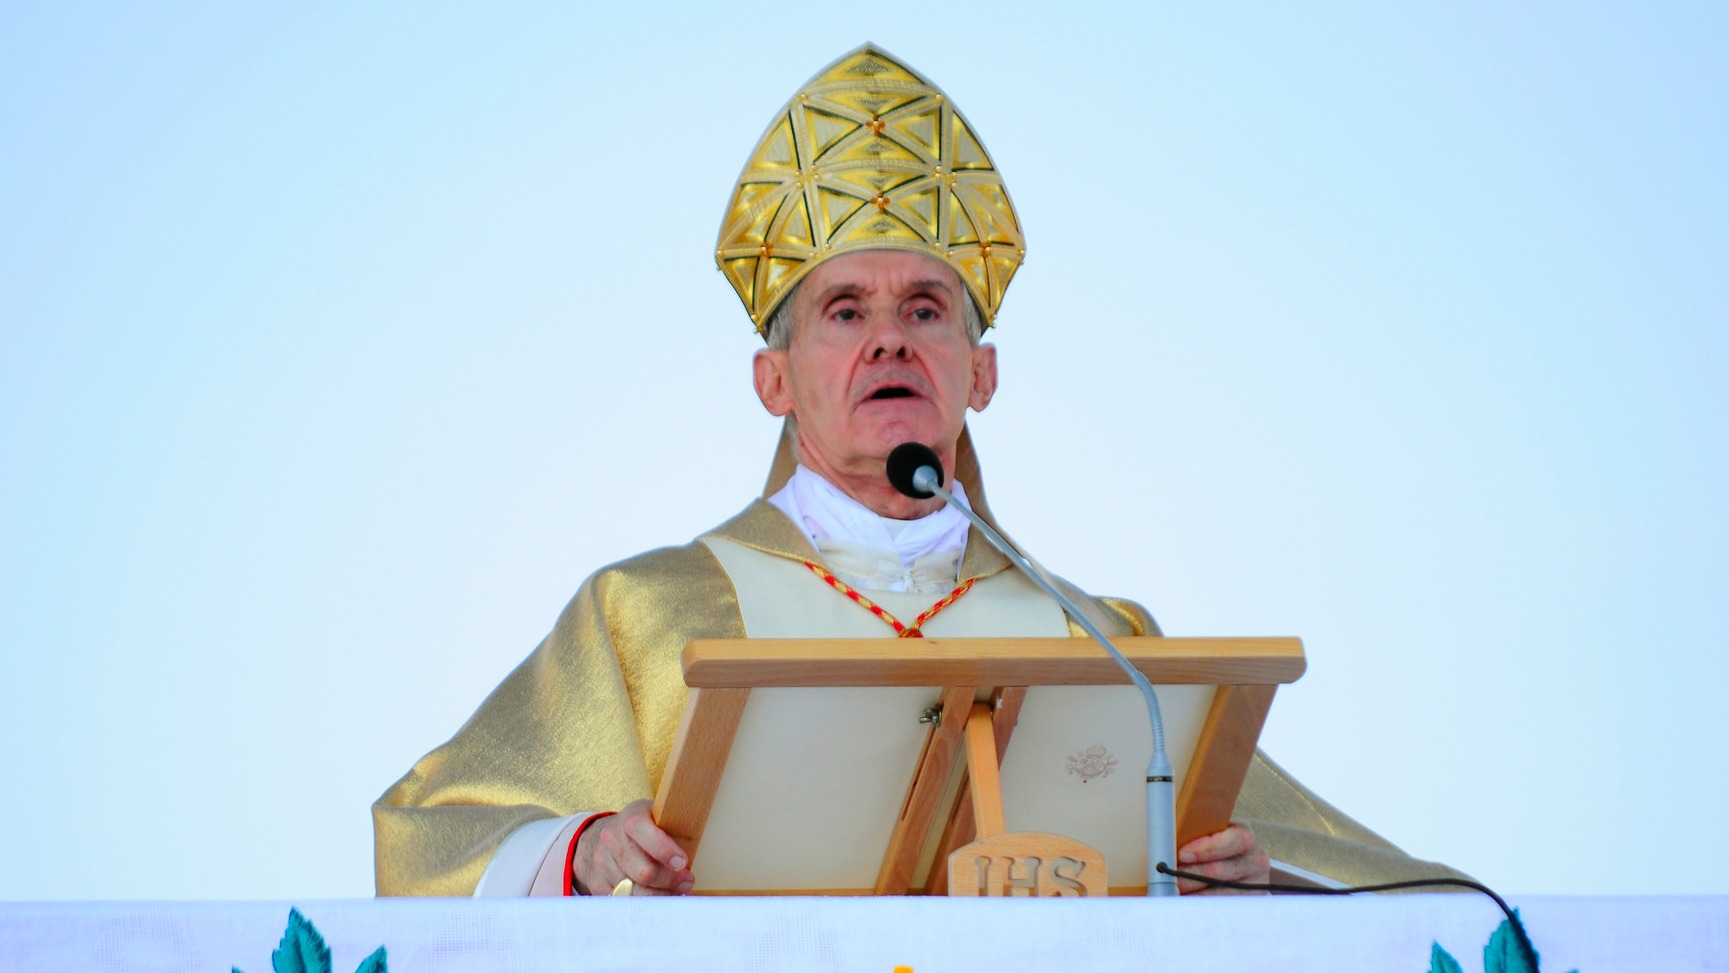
(915, 631)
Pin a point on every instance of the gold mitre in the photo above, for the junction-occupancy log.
(868, 155)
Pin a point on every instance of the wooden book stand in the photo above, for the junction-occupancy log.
(884, 766)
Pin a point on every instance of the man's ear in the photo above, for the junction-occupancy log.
(773, 384)
(984, 385)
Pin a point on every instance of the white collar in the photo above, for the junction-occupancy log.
(878, 552)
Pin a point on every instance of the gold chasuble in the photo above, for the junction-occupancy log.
(586, 722)
(868, 155)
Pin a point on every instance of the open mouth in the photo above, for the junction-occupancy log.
(893, 392)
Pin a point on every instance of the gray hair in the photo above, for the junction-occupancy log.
(780, 323)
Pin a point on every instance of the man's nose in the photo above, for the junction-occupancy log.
(888, 339)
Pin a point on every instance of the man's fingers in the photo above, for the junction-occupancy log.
(652, 859)
(631, 860)
(608, 853)
(1235, 840)
(1233, 855)
(654, 842)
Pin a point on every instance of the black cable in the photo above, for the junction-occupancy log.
(1518, 927)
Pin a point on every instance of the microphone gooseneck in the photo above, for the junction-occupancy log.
(915, 470)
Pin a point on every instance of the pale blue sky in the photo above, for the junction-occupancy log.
(337, 345)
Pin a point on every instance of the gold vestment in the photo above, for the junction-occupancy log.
(587, 721)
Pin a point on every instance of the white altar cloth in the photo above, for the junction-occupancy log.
(872, 935)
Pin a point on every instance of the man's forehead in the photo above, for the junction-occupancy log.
(871, 272)
(929, 285)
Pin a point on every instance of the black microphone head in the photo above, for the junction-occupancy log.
(905, 460)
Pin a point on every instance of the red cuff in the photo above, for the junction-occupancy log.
(570, 853)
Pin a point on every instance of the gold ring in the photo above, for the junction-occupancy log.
(624, 887)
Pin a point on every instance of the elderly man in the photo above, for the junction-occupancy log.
(871, 239)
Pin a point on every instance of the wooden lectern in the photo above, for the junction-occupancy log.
(859, 766)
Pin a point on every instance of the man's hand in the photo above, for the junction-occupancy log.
(1232, 854)
(630, 845)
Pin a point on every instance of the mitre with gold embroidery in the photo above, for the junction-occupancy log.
(868, 155)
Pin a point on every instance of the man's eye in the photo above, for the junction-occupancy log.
(926, 314)
(846, 314)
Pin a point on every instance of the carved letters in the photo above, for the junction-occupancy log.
(1027, 864)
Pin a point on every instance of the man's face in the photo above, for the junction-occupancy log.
(879, 356)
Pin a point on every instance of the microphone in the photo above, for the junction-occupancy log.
(906, 462)
(915, 470)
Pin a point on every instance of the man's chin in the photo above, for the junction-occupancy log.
(885, 439)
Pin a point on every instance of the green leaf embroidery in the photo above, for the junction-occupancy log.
(1508, 951)
(1441, 961)
(302, 950)
(1503, 954)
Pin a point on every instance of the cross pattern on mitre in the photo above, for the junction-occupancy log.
(868, 155)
